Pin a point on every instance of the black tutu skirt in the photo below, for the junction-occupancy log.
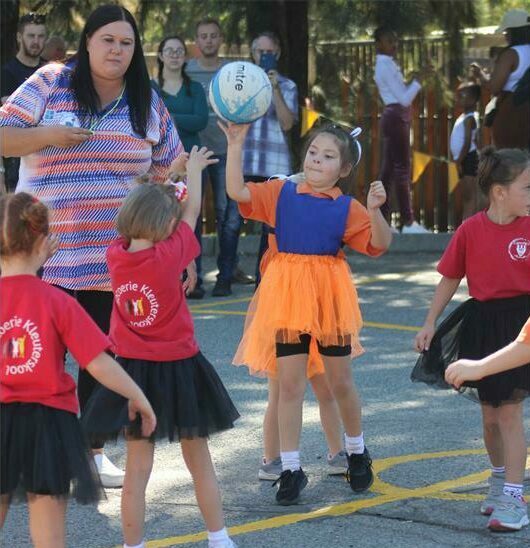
(187, 396)
(474, 330)
(44, 451)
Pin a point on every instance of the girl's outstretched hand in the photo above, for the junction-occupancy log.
(200, 158)
(143, 407)
(463, 370)
(376, 195)
(235, 133)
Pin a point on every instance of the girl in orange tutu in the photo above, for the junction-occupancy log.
(306, 308)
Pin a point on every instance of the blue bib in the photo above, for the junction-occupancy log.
(308, 225)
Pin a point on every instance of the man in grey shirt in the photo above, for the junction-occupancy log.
(209, 39)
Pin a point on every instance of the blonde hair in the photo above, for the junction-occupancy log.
(147, 211)
(23, 220)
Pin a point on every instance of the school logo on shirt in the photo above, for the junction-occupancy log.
(21, 346)
(519, 249)
(138, 304)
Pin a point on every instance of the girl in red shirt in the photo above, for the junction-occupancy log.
(152, 334)
(492, 250)
(43, 451)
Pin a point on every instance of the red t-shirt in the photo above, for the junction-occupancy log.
(150, 318)
(38, 323)
(494, 258)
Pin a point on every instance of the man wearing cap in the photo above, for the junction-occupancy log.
(511, 124)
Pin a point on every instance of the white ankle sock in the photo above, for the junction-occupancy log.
(354, 444)
(498, 470)
(290, 460)
(141, 545)
(514, 490)
(218, 538)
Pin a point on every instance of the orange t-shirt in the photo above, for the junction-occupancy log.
(262, 207)
(524, 335)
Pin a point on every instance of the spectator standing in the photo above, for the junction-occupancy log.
(266, 149)
(208, 38)
(31, 34)
(397, 97)
(511, 122)
(84, 133)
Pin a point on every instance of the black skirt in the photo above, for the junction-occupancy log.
(474, 330)
(44, 452)
(187, 396)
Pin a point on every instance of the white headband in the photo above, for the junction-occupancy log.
(354, 133)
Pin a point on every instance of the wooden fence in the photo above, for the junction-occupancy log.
(345, 73)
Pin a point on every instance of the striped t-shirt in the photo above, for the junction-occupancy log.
(84, 185)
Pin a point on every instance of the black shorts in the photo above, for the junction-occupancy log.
(470, 164)
(291, 349)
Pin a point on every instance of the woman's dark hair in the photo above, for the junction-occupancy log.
(136, 77)
(160, 75)
(500, 167)
(518, 36)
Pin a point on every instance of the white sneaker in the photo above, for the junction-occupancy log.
(110, 475)
(414, 228)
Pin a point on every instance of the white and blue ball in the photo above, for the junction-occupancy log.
(240, 92)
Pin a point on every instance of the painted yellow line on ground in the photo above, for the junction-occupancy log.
(388, 493)
(360, 281)
(376, 325)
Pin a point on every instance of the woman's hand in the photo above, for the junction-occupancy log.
(191, 278)
(66, 136)
(376, 195)
(463, 370)
(177, 169)
(235, 133)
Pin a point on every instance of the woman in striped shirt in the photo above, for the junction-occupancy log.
(84, 131)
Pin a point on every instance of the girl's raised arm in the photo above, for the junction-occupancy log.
(235, 185)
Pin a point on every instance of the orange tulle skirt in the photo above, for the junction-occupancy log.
(300, 294)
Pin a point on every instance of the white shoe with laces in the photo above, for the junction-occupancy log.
(414, 228)
(110, 475)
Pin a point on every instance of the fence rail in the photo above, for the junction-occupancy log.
(346, 77)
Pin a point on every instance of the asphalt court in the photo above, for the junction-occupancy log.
(426, 444)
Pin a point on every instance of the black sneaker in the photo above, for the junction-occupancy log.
(360, 475)
(240, 277)
(197, 293)
(291, 485)
(221, 289)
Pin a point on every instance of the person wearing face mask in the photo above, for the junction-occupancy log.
(266, 148)
(84, 132)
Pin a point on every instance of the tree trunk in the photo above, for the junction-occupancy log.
(289, 20)
(8, 29)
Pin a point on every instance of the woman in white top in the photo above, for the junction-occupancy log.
(395, 127)
(511, 126)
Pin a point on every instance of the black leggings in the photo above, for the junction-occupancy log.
(291, 349)
(98, 305)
